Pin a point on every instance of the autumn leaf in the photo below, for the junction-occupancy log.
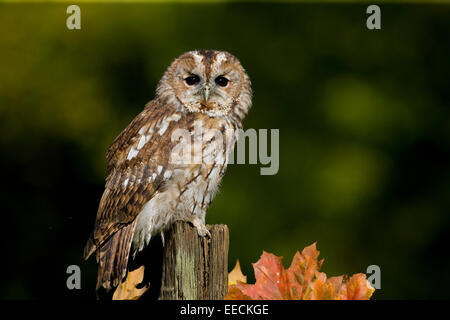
(325, 289)
(128, 290)
(236, 275)
(358, 288)
(301, 281)
(271, 282)
(236, 294)
(302, 270)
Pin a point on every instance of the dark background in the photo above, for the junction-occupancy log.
(364, 125)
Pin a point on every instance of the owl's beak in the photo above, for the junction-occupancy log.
(206, 93)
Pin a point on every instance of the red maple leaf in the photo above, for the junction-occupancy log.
(301, 281)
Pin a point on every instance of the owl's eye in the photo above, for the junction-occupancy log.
(191, 80)
(222, 81)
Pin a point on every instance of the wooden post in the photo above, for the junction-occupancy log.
(194, 267)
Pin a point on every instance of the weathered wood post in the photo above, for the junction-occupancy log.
(194, 267)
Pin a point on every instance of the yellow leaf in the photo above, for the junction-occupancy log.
(236, 274)
(127, 290)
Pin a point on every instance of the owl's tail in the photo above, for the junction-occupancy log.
(112, 257)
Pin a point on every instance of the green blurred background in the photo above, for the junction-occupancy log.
(364, 125)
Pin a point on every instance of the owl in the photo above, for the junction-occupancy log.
(168, 163)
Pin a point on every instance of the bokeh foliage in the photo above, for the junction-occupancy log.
(364, 125)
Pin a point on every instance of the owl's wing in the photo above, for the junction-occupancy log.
(127, 190)
(138, 162)
(127, 138)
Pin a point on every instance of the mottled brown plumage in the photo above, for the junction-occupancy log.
(168, 163)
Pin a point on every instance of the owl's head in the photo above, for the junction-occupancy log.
(208, 81)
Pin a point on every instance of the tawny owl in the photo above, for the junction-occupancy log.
(168, 163)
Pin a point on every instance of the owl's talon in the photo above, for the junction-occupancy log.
(203, 232)
(200, 226)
